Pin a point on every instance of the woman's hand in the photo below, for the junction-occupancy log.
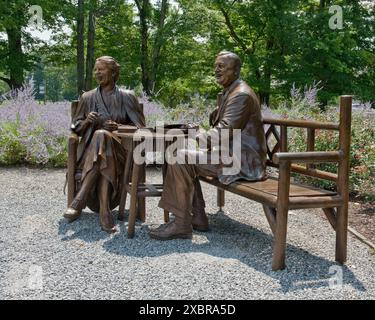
(110, 125)
(93, 117)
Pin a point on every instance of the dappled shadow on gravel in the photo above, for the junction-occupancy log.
(86, 228)
(228, 239)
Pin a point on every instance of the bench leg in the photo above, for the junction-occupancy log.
(271, 217)
(278, 262)
(220, 199)
(341, 233)
(339, 221)
(331, 215)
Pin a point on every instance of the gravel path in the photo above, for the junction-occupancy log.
(43, 257)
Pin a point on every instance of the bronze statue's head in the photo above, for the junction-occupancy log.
(107, 70)
(227, 68)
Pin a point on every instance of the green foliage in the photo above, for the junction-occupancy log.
(281, 43)
(18, 50)
(11, 147)
(117, 36)
(189, 50)
(58, 157)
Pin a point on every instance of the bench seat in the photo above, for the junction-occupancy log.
(300, 196)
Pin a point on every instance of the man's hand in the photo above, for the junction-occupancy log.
(93, 117)
(213, 116)
(110, 125)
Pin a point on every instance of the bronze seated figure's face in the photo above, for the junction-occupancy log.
(103, 74)
(225, 71)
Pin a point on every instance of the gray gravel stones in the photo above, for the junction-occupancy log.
(43, 257)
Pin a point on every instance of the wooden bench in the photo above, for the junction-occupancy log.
(278, 194)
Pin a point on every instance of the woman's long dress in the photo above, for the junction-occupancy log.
(101, 147)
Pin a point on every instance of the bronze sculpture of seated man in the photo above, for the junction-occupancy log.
(238, 108)
(101, 157)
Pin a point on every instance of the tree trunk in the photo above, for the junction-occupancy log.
(270, 46)
(143, 9)
(90, 54)
(80, 48)
(158, 43)
(16, 58)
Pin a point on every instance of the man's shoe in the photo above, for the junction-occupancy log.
(172, 230)
(72, 214)
(200, 221)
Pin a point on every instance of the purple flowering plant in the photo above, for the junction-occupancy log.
(31, 132)
(153, 110)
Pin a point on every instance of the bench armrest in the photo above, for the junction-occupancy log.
(308, 157)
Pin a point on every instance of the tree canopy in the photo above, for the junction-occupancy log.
(167, 47)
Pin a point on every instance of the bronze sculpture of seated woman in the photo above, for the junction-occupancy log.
(101, 157)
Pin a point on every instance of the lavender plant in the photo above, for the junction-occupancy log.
(196, 111)
(154, 111)
(306, 98)
(303, 102)
(31, 132)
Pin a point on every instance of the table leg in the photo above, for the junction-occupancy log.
(142, 201)
(166, 212)
(164, 173)
(127, 172)
(133, 199)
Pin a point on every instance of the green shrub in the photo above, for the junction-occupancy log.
(12, 151)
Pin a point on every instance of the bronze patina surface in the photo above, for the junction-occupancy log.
(100, 155)
(238, 108)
